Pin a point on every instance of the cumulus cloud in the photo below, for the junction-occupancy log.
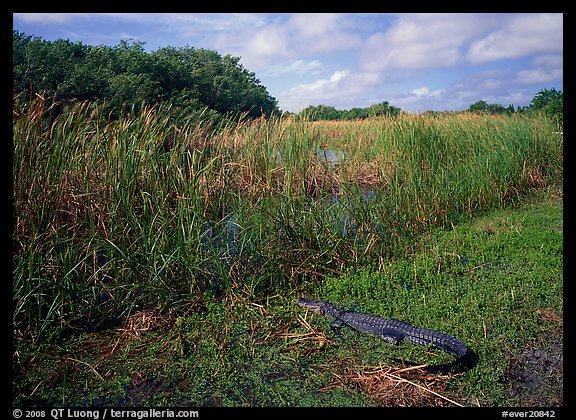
(322, 84)
(189, 24)
(257, 47)
(299, 67)
(446, 40)
(268, 41)
(421, 41)
(425, 91)
(288, 37)
(46, 18)
(537, 76)
(501, 82)
(501, 86)
(313, 24)
(315, 93)
(544, 69)
(522, 35)
(321, 32)
(420, 99)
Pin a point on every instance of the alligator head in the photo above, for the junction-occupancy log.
(314, 305)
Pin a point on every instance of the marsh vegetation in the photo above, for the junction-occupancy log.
(113, 231)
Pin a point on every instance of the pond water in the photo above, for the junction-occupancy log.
(332, 156)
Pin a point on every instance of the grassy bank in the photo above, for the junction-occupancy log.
(495, 282)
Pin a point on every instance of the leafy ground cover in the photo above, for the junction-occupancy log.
(494, 281)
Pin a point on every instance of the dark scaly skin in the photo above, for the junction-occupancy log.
(390, 330)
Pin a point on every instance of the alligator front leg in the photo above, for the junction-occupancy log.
(337, 323)
(391, 335)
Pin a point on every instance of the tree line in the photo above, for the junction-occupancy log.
(548, 101)
(324, 112)
(193, 80)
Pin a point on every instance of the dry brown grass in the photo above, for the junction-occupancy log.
(147, 320)
(402, 387)
(393, 386)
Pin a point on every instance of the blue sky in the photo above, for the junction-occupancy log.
(417, 62)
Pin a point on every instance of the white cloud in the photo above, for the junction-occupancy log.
(522, 35)
(191, 23)
(321, 32)
(536, 76)
(299, 67)
(483, 85)
(46, 18)
(322, 84)
(257, 47)
(316, 93)
(425, 91)
(544, 69)
(313, 24)
(503, 86)
(419, 99)
(421, 41)
(282, 37)
(187, 24)
(65, 18)
(268, 41)
(549, 60)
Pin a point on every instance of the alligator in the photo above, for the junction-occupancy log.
(392, 330)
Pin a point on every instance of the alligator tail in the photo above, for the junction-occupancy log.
(424, 337)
